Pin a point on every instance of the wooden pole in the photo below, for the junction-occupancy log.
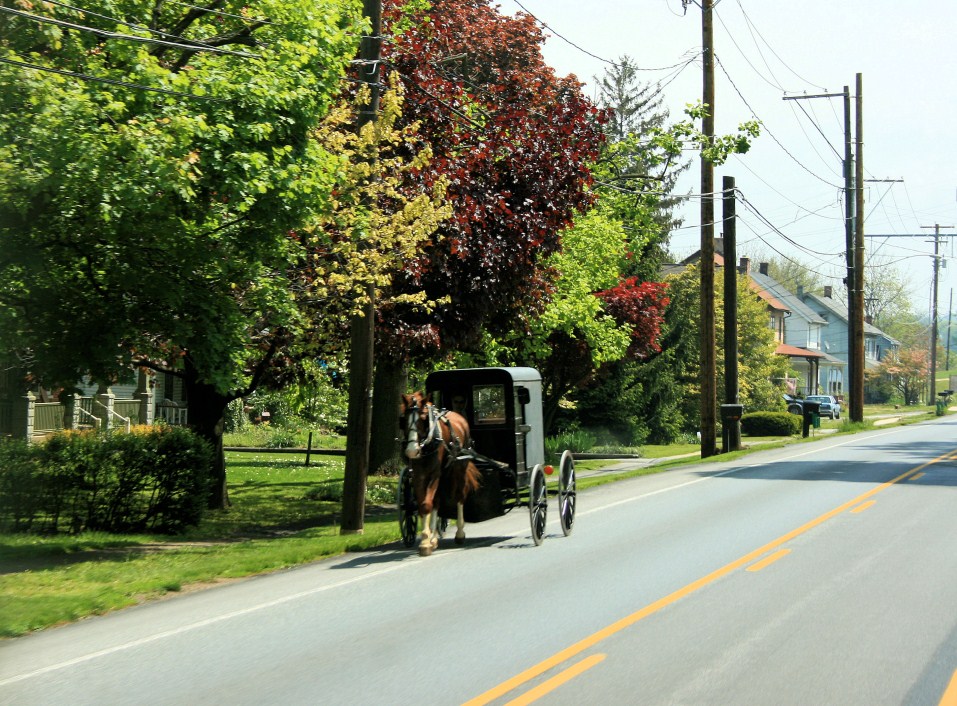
(850, 201)
(731, 439)
(708, 373)
(362, 335)
(857, 352)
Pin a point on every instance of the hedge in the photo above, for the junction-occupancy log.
(155, 478)
(770, 424)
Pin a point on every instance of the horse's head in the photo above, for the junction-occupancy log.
(418, 421)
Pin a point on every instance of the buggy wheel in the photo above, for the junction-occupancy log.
(538, 504)
(566, 492)
(408, 510)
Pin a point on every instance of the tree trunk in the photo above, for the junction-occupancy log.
(391, 380)
(206, 410)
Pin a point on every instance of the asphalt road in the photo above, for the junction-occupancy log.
(823, 573)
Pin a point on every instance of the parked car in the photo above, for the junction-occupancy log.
(795, 404)
(829, 408)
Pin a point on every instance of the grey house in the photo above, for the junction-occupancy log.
(802, 335)
(877, 344)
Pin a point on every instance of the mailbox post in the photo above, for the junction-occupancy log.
(731, 427)
(811, 416)
(943, 399)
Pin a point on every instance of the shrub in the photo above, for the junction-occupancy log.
(235, 419)
(770, 424)
(155, 478)
(575, 441)
(21, 484)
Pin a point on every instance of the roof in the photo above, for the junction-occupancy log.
(766, 294)
(795, 352)
(840, 310)
(789, 300)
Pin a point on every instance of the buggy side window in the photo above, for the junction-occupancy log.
(489, 402)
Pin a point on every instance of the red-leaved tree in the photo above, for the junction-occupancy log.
(514, 141)
(639, 306)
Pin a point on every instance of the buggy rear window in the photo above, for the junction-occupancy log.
(489, 404)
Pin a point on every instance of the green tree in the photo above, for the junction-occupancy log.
(147, 199)
(592, 317)
(635, 172)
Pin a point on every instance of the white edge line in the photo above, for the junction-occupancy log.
(203, 623)
(736, 469)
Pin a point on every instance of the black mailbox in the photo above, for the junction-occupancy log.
(730, 427)
(731, 412)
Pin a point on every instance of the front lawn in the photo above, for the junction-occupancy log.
(282, 514)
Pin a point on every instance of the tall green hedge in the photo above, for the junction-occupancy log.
(152, 479)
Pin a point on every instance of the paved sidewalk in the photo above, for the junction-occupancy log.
(623, 465)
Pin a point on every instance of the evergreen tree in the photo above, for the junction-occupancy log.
(635, 168)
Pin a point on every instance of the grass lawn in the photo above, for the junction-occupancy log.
(283, 514)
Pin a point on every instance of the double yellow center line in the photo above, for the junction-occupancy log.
(626, 622)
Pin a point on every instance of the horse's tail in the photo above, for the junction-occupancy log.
(472, 480)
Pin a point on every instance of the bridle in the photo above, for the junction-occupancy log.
(414, 447)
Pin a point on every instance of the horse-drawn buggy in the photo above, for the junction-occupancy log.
(475, 448)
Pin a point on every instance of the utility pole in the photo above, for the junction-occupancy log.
(856, 313)
(708, 373)
(730, 417)
(362, 333)
(932, 382)
(850, 201)
(950, 317)
(854, 251)
(933, 328)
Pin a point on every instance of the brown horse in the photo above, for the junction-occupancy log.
(434, 444)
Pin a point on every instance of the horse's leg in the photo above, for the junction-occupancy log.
(425, 538)
(465, 483)
(460, 523)
(429, 539)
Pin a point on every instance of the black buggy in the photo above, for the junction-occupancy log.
(503, 407)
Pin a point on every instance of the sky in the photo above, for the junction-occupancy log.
(792, 176)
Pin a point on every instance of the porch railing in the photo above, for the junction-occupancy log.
(171, 413)
(32, 419)
(48, 417)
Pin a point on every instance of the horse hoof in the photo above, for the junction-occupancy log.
(460, 540)
(426, 550)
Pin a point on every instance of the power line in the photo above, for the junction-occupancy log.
(141, 27)
(126, 37)
(110, 81)
(223, 13)
(789, 259)
(771, 134)
(808, 211)
(819, 130)
(585, 51)
(773, 84)
(754, 29)
(751, 207)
